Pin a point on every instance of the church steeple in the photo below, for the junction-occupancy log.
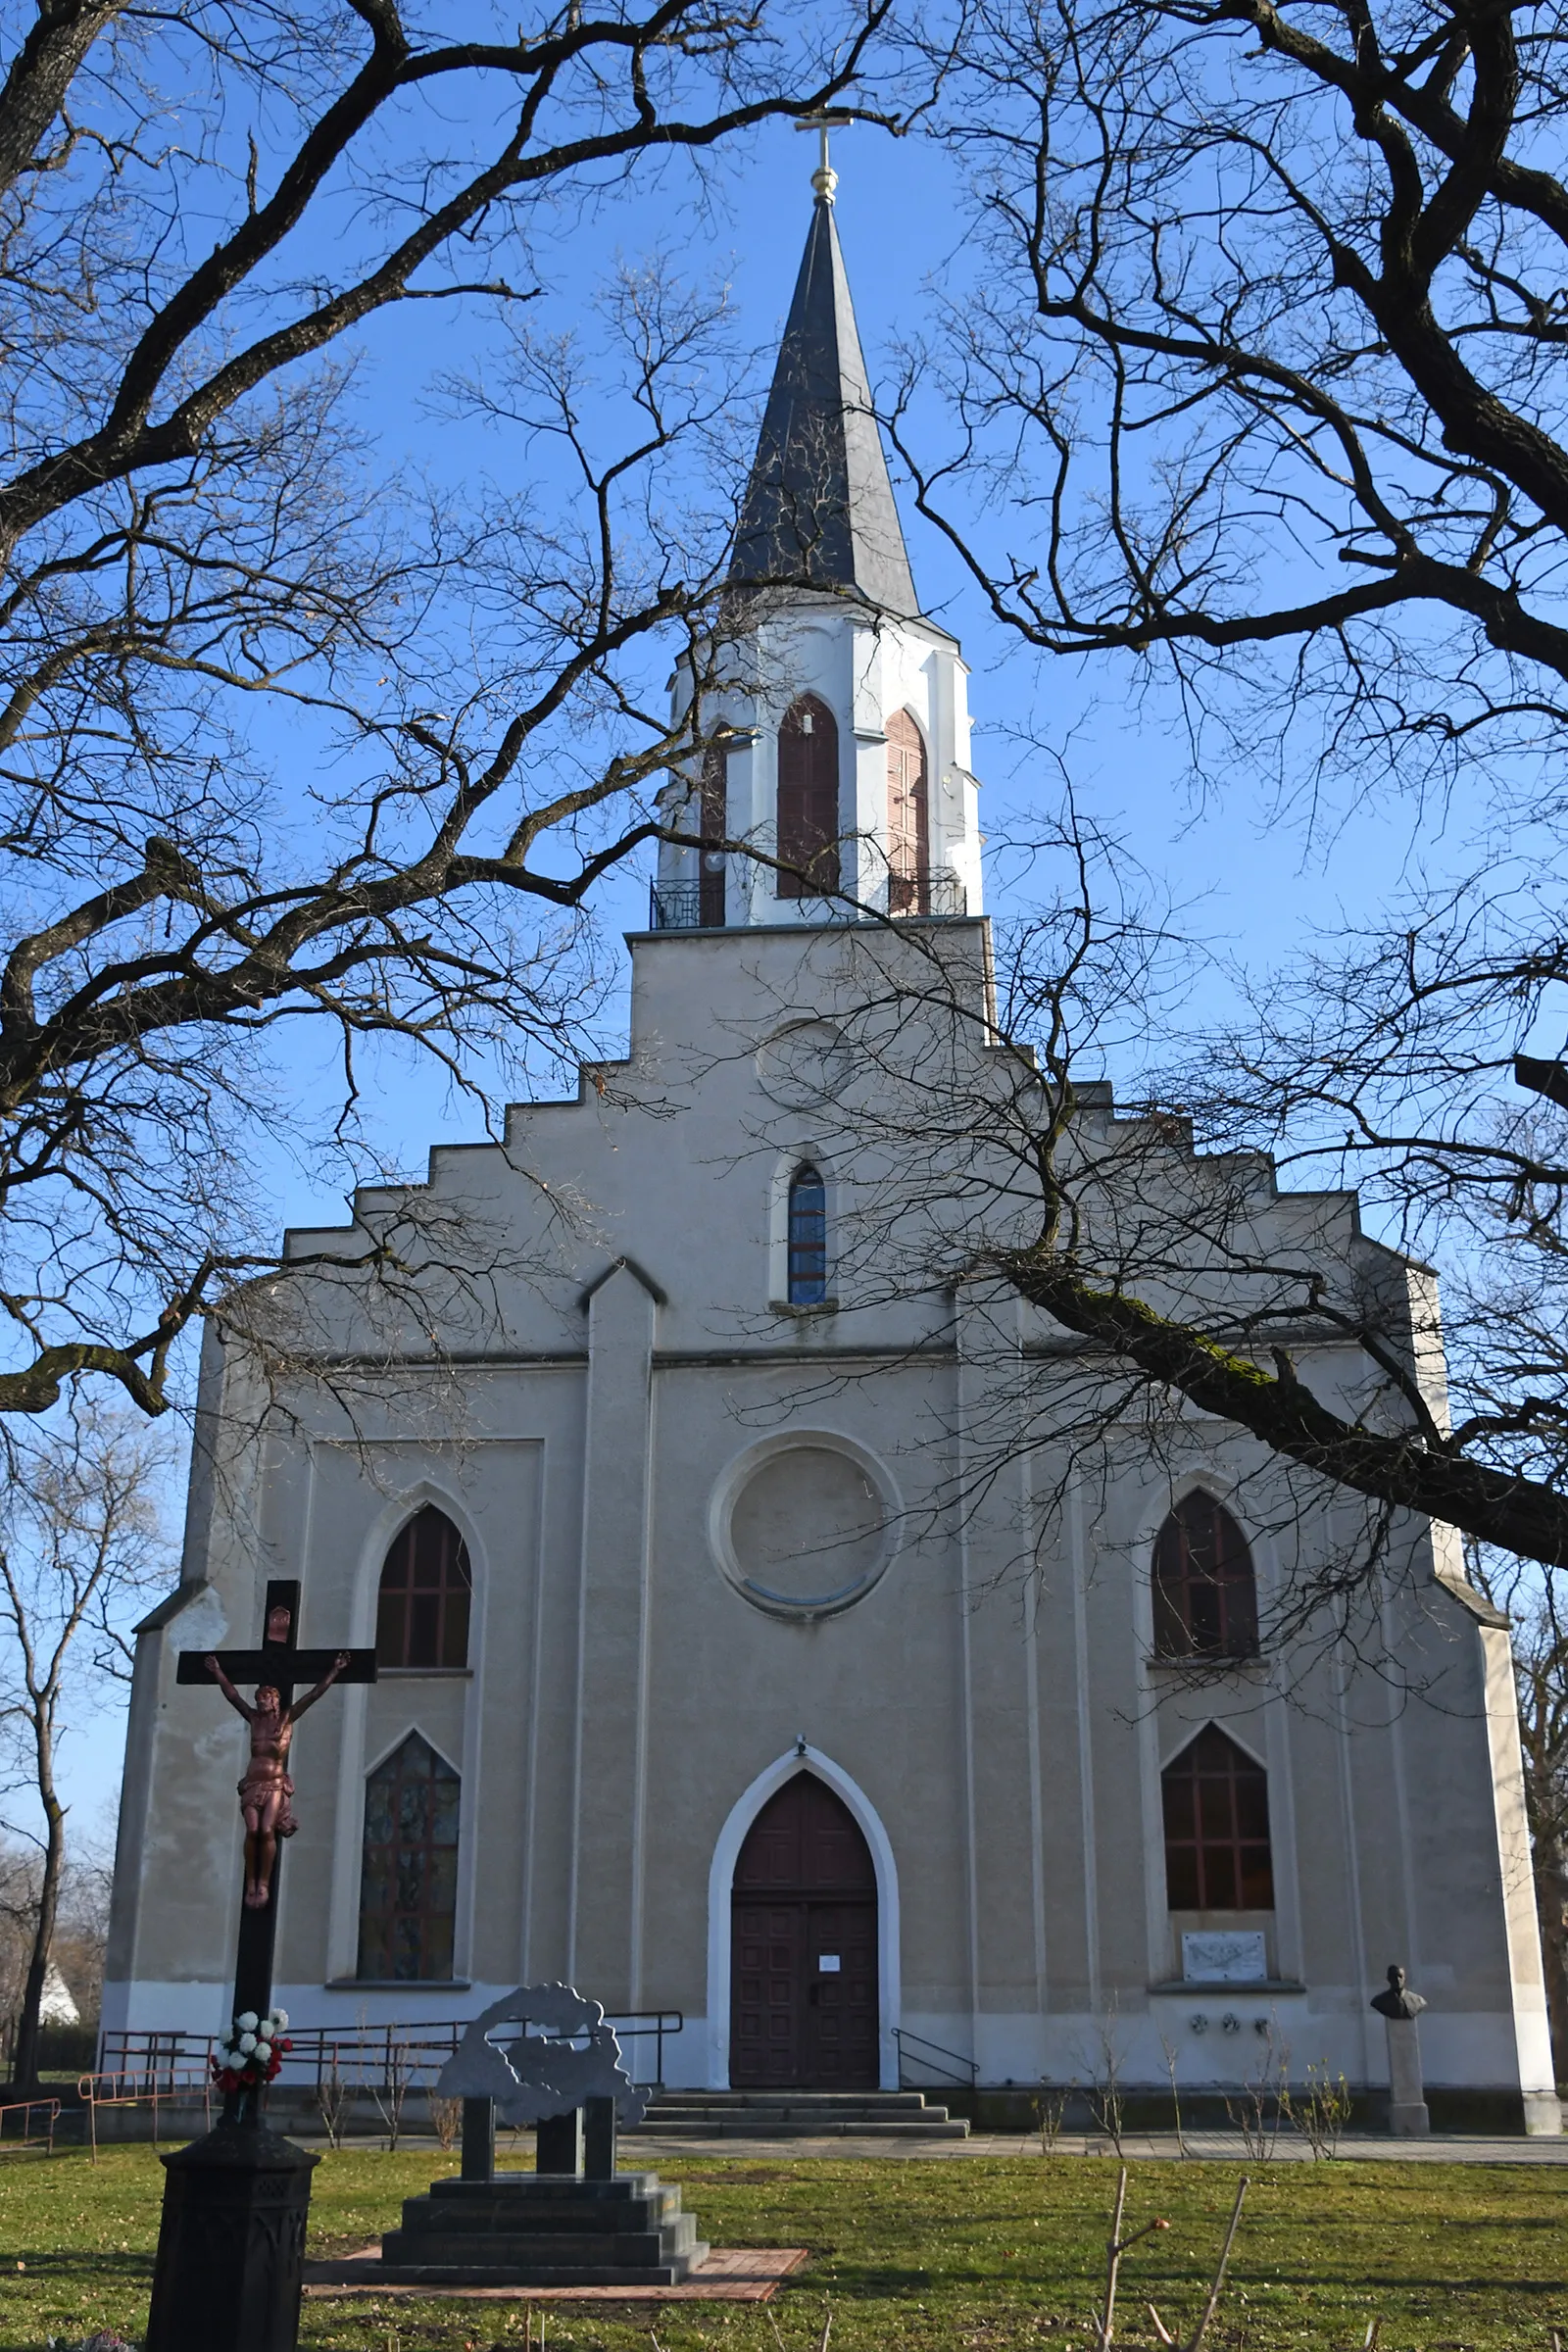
(819, 511)
(835, 786)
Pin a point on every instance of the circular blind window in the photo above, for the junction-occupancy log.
(807, 1531)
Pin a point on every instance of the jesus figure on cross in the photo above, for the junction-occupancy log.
(265, 1790)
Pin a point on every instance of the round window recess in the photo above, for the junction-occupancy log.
(805, 1065)
(803, 1528)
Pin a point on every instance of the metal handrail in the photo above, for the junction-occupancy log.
(167, 2063)
(664, 2021)
(966, 2081)
(28, 2137)
(140, 2086)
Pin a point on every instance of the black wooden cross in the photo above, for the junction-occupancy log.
(280, 1663)
(231, 2240)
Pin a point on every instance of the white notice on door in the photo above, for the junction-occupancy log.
(828, 1964)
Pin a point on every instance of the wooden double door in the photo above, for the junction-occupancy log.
(803, 1948)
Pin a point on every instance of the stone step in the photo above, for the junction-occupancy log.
(676, 2111)
(762, 2126)
(891, 2102)
(785, 2114)
(564, 2188)
(552, 2218)
(546, 2230)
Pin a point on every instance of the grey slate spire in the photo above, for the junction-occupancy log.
(819, 509)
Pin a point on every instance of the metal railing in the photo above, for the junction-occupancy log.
(696, 906)
(677, 907)
(941, 2063)
(179, 2080)
(359, 2055)
(656, 2024)
(17, 2136)
(170, 2065)
(934, 890)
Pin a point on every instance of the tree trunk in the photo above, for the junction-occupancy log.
(24, 2072)
(1551, 1900)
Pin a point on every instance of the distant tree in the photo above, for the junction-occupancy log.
(80, 1546)
(284, 737)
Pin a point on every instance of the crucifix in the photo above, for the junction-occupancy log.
(266, 1791)
(230, 2262)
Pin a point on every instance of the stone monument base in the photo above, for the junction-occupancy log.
(1408, 2108)
(543, 2229)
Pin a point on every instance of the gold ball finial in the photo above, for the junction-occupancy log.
(824, 179)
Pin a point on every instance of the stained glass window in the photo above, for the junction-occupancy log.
(408, 1878)
(808, 1238)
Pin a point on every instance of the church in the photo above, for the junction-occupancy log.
(713, 1677)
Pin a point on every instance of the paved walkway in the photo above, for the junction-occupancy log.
(647, 2149)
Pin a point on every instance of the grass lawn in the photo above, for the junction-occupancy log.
(972, 2255)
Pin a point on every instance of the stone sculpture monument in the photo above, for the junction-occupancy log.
(1399, 2008)
(560, 2067)
(542, 2055)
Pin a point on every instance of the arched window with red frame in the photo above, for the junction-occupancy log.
(1205, 1590)
(808, 1238)
(908, 818)
(422, 1616)
(1218, 1851)
(807, 801)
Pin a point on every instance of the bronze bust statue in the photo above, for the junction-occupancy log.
(1396, 2001)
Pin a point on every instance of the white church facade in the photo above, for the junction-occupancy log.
(708, 1680)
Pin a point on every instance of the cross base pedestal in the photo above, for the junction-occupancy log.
(231, 2243)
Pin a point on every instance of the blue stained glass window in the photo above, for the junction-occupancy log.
(409, 1884)
(808, 1284)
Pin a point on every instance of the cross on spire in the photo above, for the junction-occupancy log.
(824, 179)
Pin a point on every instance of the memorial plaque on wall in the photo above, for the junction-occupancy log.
(1210, 1957)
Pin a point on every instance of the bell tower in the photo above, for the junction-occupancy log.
(842, 790)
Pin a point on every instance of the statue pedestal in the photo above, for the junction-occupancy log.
(231, 2243)
(1408, 2108)
(538, 2230)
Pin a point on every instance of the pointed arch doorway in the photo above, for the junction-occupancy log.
(803, 1948)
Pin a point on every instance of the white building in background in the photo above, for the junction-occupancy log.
(702, 1684)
